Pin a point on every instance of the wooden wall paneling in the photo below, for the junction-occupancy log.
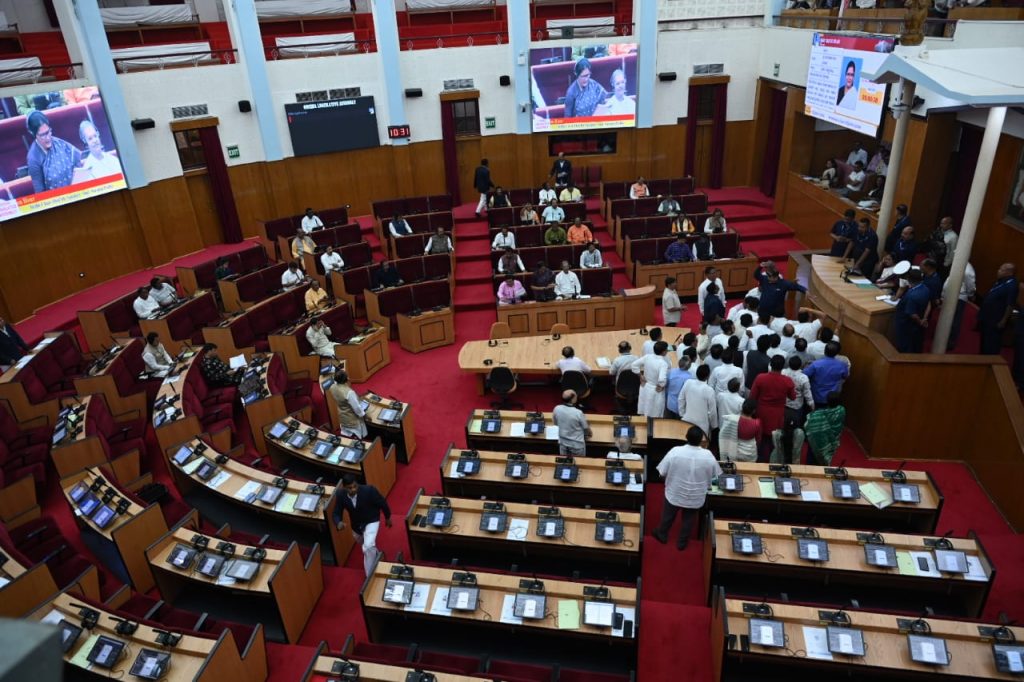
(643, 147)
(739, 154)
(759, 134)
(794, 143)
(997, 463)
(166, 220)
(255, 198)
(835, 144)
(469, 151)
(204, 209)
(933, 165)
(668, 150)
(501, 152)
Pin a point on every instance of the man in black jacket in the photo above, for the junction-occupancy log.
(561, 170)
(482, 183)
(364, 504)
(12, 346)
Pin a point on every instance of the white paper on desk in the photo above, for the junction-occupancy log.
(3, 581)
(420, 592)
(174, 378)
(24, 360)
(218, 480)
(975, 571)
(551, 432)
(628, 613)
(191, 467)
(598, 612)
(634, 486)
(248, 489)
(603, 362)
(453, 472)
(224, 579)
(816, 643)
(439, 607)
(237, 361)
(517, 429)
(860, 280)
(810, 496)
(931, 571)
(45, 342)
(508, 608)
(518, 529)
(52, 618)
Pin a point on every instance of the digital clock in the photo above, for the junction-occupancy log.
(395, 132)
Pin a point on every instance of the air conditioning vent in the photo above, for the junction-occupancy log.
(708, 69)
(190, 111)
(312, 96)
(459, 84)
(345, 93)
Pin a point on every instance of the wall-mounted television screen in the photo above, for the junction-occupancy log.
(583, 87)
(837, 92)
(333, 125)
(55, 148)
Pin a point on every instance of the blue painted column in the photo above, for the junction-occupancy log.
(244, 27)
(645, 30)
(83, 29)
(385, 30)
(519, 41)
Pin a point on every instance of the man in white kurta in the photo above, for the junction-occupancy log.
(697, 403)
(654, 371)
(319, 336)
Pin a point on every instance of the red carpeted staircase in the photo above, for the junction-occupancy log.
(752, 215)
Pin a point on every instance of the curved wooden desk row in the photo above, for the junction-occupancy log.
(539, 486)
(282, 585)
(192, 659)
(632, 309)
(322, 667)
(737, 274)
(814, 501)
(392, 420)
(120, 375)
(170, 422)
(887, 654)
(81, 447)
(178, 325)
(22, 379)
(829, 292)
(841, 571)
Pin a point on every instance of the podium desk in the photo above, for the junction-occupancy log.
(377, 467)
(230, 496)
(281, 594)
(846, 574)
(492, 626)
(886, 647)
(826, 509)
(580, 548)
(828, 292)
(193, 659)
(397, 429)
(540, 487)
(429, 329)
(631, 310)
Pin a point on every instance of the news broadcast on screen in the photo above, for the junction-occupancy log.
(55, 148)
(583, 87)
(837, 91)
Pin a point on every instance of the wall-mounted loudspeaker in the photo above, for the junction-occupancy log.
(413, 92)
(504, 80)
(667, 76)
(245, 106)
(143, 123)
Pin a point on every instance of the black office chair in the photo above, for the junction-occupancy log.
(503, 382)
(627, 391)
(576, 381)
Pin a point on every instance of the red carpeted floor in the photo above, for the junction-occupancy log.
(674, 642)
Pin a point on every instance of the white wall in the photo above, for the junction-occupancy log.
(29, 16)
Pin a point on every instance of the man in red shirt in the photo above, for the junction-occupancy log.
(771, 390)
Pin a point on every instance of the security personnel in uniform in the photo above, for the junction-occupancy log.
(774, 289)
(911, 320)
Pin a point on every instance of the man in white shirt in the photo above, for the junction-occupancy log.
(553, 213)
(858, 153)
(749, 305)
(571, 363)
(728, 330)
(816, 349)
(503, 240)
(292, 277)
(787, 339)
(795, 408)
(162, 291)
(949, 237)
(302, 243)
(546, 195)
(688, 471)
(510, 262)
(618, 104)
(311, 222)
(591, 258)
(671, 307)
(653, 369)
(158, 361)
(761, 328)
(623, 450)
(730, 401)
(567, 284)
(573, 429)
(806, 327)
(398, 227)
(624, 360)
(727, 371)
(968, 287)
(855, 178)
(711, 274)
(331, 260)
(145, 306)
(319, 336)
(697, 404)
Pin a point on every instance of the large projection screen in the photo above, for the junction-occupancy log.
(583, 87)
(56, 148)
(837, 92)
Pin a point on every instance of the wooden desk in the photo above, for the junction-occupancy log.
(577, 549)
(281, 595)
(633, 310)
(390, 622)
(160, 326)
(887, 654)
(121, 545)
(846, 574)
(81, 446)
(399, 432)
(178, 426)
(322, 663)
(829, 511)
(811, 210)
(194, 659)
(540, 354)
(828, 292)
(12, 389)
(737, 274)
(268, 407)
(100, 379)
(591, 488)
(235, 479)
(377, 467)
(429, 329)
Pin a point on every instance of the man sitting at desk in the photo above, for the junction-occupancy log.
(12, 346)
(499, 199)
(573, 429)
(319, 336)
(311, 222)
(503, 240)
(543, 283)
(510, 261)
(292, 277)
(571, 363)
(591, 258)
(555, 235)
(678, 251)
(510, 291)
(145, 306)
(579, 233)
(668, 206)
(364, 505)
(624, 360)
(216, 372)
(567, 284)
(439, 242)
(387, 276)
(161, 289)
(570, 193)
(223, 269)
(638, 190)
(332, 261)
(399, 227)
(351, 416)
(302, 243)
(316, 297)
(715, 224)
(553, 213)
(158, 361)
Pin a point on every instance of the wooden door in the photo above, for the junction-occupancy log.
(205, 209)
(467, 150)
(702, 154)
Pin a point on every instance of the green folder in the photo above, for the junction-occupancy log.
(876, 495)
(81, 657)
(476, 426)
(905, 563)
(568, 614)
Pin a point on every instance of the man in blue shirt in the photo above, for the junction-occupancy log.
(863, 248)
(676, 378)
(678, 251)
(842, 232)
(902, 222)
(905, 247)
(827, 374)
(774, 289)
(910, 320)
(995, 309)
(932, 280)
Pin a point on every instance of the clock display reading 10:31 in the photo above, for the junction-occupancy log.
(395, 132)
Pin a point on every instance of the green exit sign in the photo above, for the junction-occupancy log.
(233, 152)
(489, 122)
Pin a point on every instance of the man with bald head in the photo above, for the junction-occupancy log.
(995, 310)
(573, 429)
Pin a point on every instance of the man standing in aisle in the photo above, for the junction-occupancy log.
(653, 369)
(364, 505)
(996, 307)
(12, 346)
(774, 289)
(688, 471)
(573, 429)
(671, 307)
(482, 183)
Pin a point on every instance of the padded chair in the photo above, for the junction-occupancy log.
(447, 663)
(627, 391)
(508, 671)
(382, 653)
(560, 328)
(501, 330)
(503, 382)
(576, 381)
